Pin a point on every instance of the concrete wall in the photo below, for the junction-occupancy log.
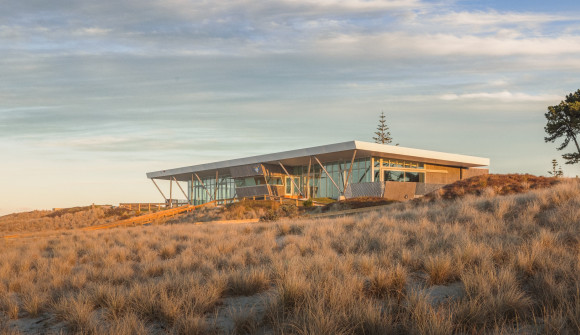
(399, 191)
(453, 174)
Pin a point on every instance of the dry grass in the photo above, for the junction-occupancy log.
(495, 184)
(63, 219)
(514, 258)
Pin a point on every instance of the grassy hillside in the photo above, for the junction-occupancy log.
(62, 219)
(500, 264)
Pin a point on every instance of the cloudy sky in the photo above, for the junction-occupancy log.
(94, 94)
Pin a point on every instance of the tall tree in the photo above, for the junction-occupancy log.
(556, 169)
(564, 121)
(383, 136)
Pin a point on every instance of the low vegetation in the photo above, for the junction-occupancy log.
(61, 219)
(500, 184)
(486, 263)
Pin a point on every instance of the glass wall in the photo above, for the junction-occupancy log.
(322, 187)
(317, 184)
(226, 189)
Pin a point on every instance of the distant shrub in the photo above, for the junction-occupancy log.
(289, 210)
(271, 215)
(308, 203)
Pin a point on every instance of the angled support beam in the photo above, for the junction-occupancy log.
(349, 170)
(291, 179)
(328, 175)
(268, 186)
(163, 195)
(203, 185)
(182, 191)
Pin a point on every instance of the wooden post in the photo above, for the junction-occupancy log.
(372, 169)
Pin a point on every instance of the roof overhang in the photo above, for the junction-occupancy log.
(325, 153)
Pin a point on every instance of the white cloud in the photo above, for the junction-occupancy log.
(494, 18)
(92, 31)
(402, 44)
(503, 96)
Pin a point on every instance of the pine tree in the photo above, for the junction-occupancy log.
(383, 136)
(564, 122)
(556, 169)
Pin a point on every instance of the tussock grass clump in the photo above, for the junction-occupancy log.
(388, 283)
(441, 269)
(247, 282)
(77, 312)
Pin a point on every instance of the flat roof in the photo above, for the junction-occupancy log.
(325, 153)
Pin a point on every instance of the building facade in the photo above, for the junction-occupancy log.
(349, 169)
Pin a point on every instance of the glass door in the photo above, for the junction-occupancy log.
(289, 186)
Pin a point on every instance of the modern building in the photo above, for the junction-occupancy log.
(349, 169)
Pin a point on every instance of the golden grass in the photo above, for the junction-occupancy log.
(514, 260)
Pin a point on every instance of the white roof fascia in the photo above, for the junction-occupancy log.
(323, 149)
(422, 154)
(374, 148)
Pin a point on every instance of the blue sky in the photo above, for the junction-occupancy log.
(94, 94)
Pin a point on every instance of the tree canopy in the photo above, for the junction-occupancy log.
(564, 122)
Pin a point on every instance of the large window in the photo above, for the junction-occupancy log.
(399, 170)
(200, 194)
